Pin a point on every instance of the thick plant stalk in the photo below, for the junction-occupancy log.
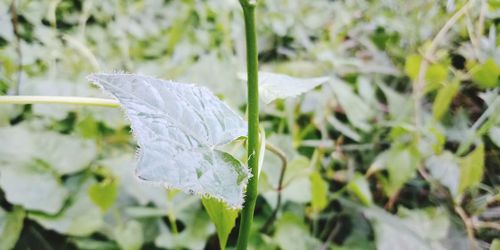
(253, 124)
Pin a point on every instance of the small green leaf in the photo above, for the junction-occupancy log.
(104, 194)
(443, 99)
(222, 216)
(471, 169)
(412, 66)
(319, 191)
(11, 224)
(486, 74)
(359, 186)
(401, 165)
(435, 76)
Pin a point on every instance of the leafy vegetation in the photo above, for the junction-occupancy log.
(391, 139)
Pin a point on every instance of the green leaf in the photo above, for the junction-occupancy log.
(412, 66)
(486, 74)
(443, 99)
(401, 165)
(293, 234)
(11, 224)
(436, 75)
(471, 169)
(129, 236)
(360, 187)
(274, 86)
(178, 128)
(222, 216)
(104, 193)
(495, 245)
(319, 192)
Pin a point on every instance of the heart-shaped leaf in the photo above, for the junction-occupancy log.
(178, 127)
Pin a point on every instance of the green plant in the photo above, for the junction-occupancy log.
(180, 128)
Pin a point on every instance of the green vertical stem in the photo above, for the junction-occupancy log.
(253, 124)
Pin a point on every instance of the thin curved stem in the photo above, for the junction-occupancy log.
(284, 164)
(87, 101)
(419, 85)
(469, 226)
(253, 124)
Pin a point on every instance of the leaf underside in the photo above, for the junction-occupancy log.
(178, 127)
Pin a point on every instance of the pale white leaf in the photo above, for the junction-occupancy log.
(274, 86)
(178, 128)
(357, 110)
(33, 189)
(445, 169)
(80, 218)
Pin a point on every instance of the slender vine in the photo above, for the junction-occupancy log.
(248, 7)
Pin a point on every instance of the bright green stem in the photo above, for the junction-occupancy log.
(87, 101)
(253, 125)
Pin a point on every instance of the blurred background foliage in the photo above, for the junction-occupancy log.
(400, 150)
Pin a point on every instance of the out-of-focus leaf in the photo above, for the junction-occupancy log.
(412, 66)
(297, 182)
(65, 154)
(274, 86)
(33, 187)
(486, 75)
(494, 134)
(360, 187)
(80, 218)
(399, 105)
(413, 230)
(177, 127)
(444, 168)
(319, 192)
(129, 236)
(401, 165)
(471, 168)
(495, 244)
(358, 112)
(222, 216)
(103, 194)
(123, 168)
(435, 76)
(344, 129)
(290, 227)
(90, 244)
(194, 236)
(443, 99)
(11, 224)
